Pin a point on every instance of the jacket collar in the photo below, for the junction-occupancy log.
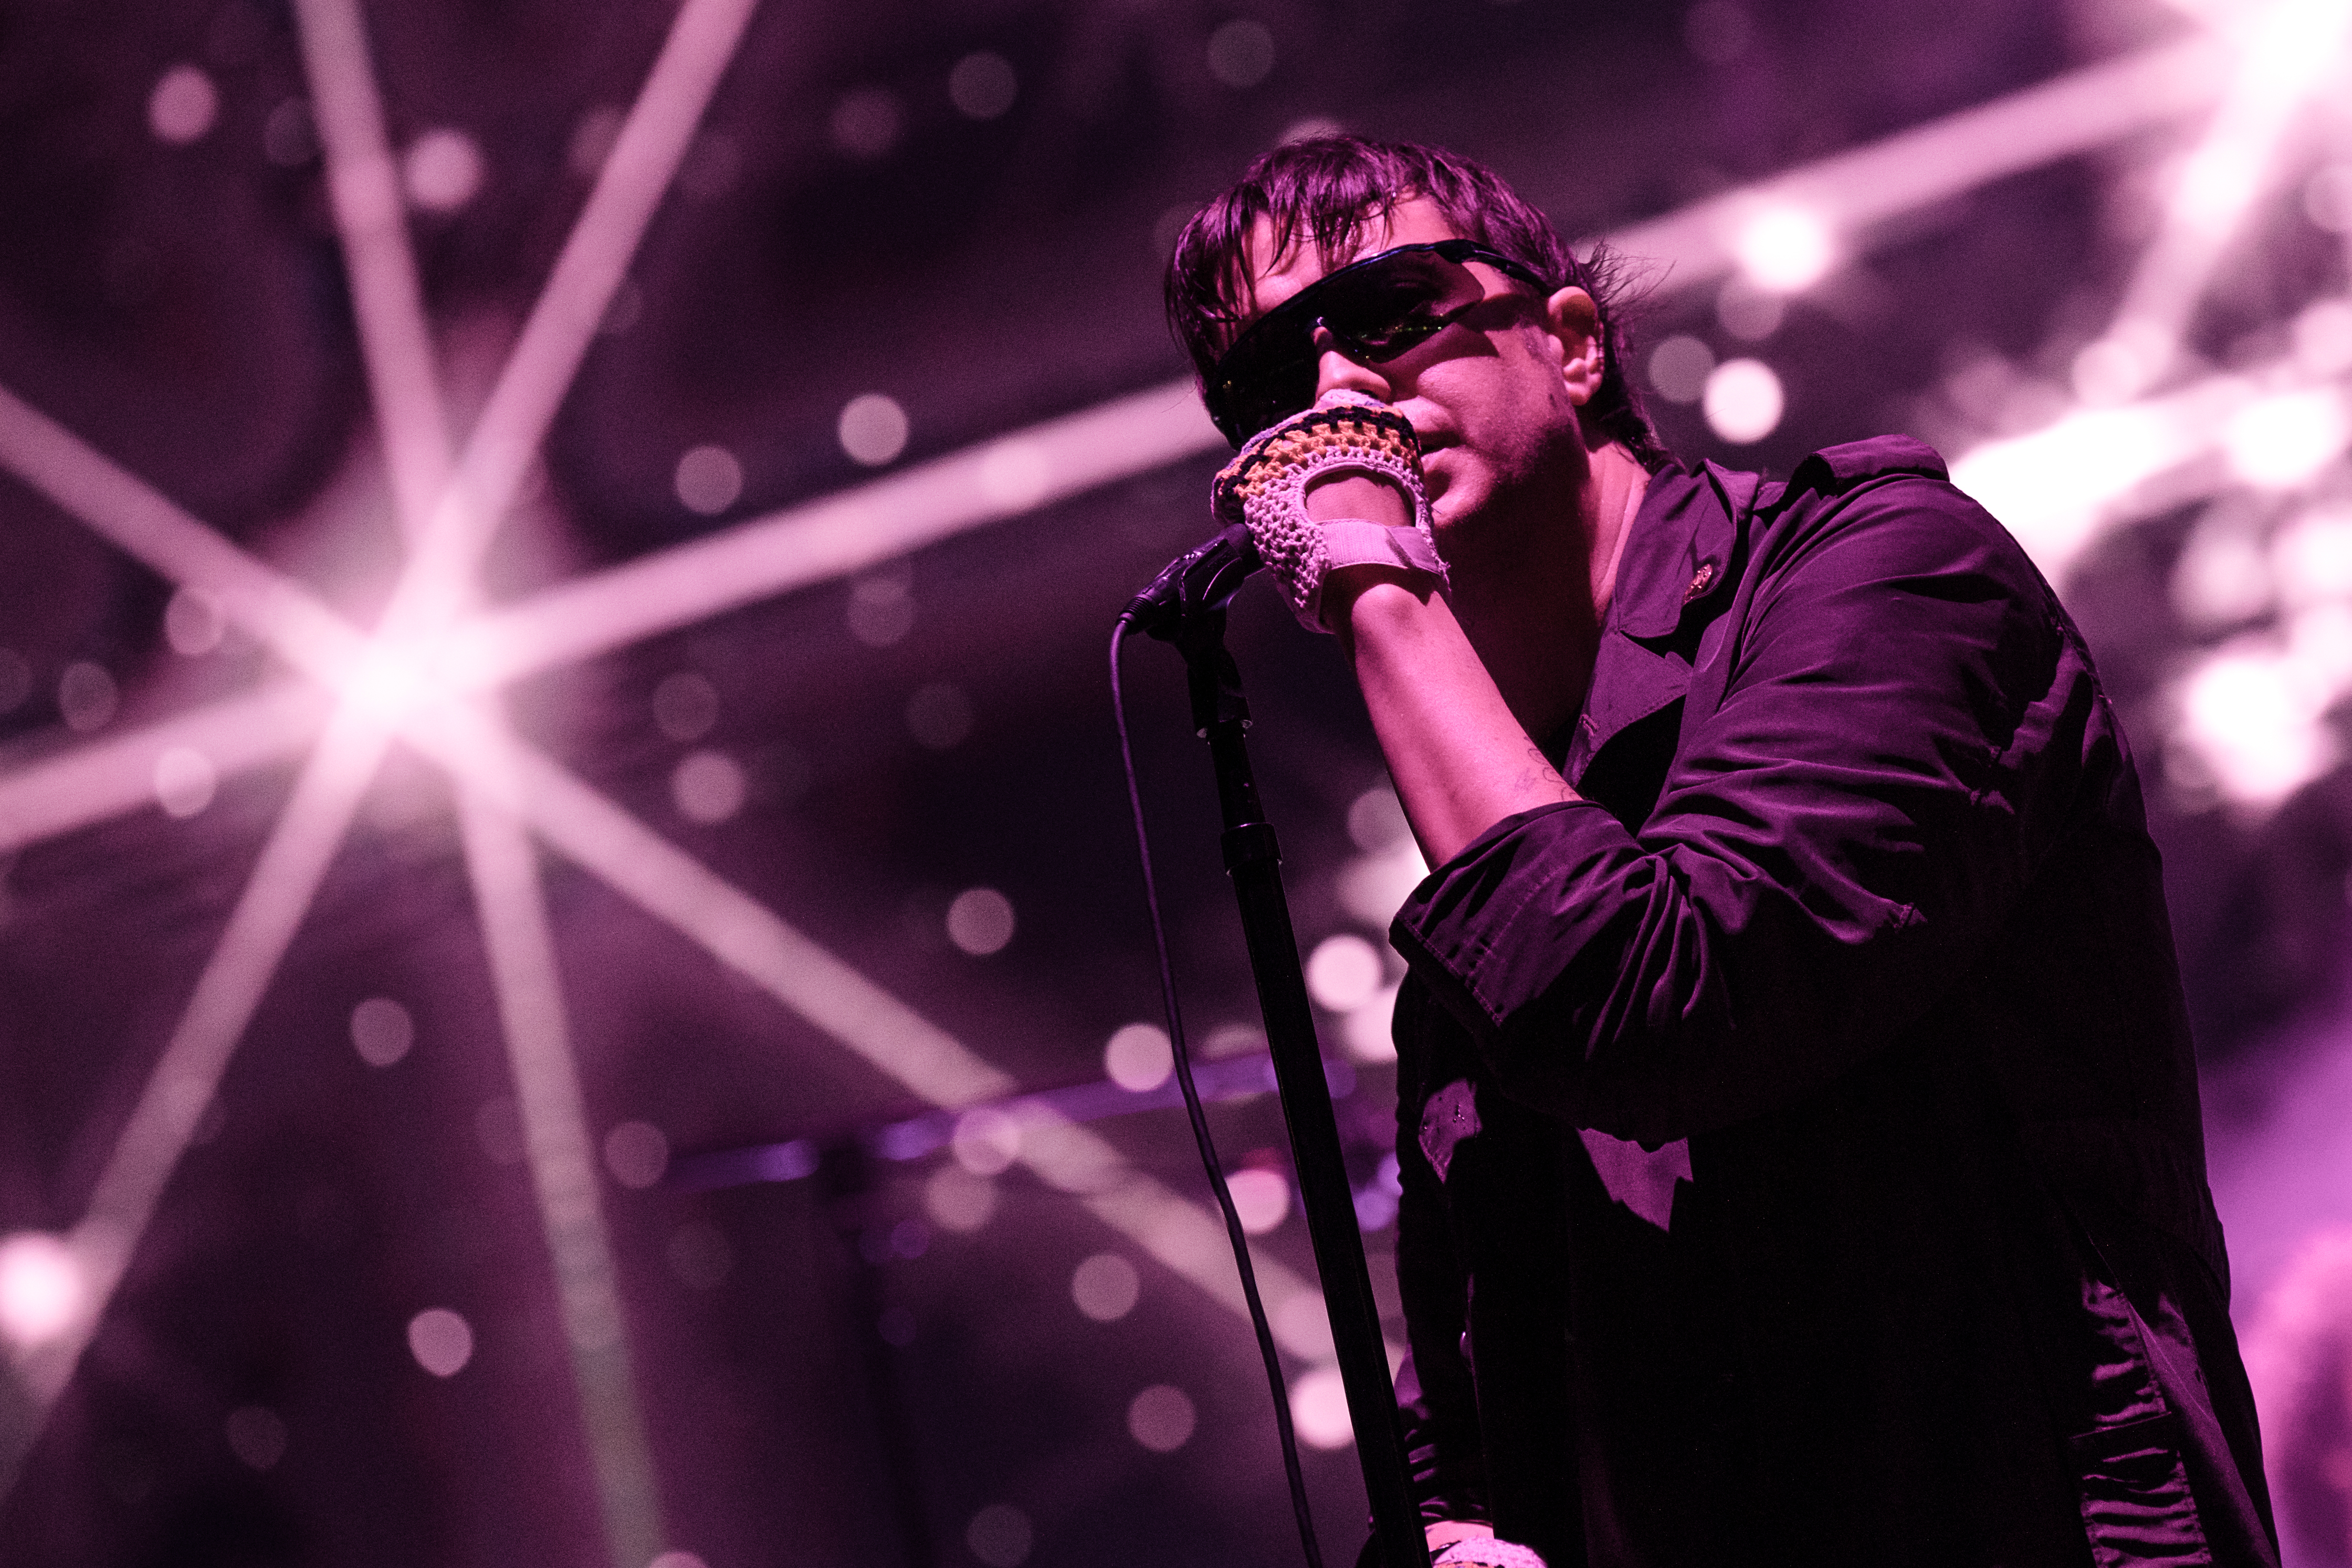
(1677, 562)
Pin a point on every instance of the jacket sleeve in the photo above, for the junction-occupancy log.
(1883, 731)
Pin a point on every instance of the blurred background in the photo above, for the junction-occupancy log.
(572, 984)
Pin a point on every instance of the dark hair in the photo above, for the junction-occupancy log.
(1323, 191)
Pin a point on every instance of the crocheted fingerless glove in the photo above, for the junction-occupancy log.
(1266, 486)
(1487, 1552)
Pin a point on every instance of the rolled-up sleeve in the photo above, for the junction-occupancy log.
(1901, 721)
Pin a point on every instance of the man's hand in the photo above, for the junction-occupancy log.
(1336, 486)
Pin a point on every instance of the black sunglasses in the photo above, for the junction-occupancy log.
(1375, 310)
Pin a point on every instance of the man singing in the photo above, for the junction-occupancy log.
(1798, 1122)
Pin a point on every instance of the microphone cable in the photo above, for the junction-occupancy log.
(1183, 1060)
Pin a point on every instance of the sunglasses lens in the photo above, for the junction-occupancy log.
(1376, 310)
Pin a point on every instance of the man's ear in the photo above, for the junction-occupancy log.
(1575, 323)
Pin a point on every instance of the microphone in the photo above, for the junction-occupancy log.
(1206, 576)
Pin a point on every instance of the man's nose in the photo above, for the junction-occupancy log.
(1334, 369)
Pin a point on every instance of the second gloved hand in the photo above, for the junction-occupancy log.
(1267, 482)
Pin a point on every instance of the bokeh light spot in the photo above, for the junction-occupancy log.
(1748, 313)
(865, 122)
(873, 429)
(1139, 1058)
(1106, 1287)
(1367, 1030)
(256, 1435)
(442, 170)
(958, 1200)
(999, 1535)
(1743, 401)
(43, 1290)
(1343, 971)
(980, 921)
(86, 696)
(708, 787)
(185, 779)
(709, 480)
(2327, 197)
(985, 1141)
(1241, 53)
(194, 624)
(2280, 443)
(441, 1341)
(882, 608)
(381, 1031)
(983, 85)
(636, 1154)
(1678, 368)
(183, 106)
(677, 1560)
(1261, 1198)
(938, 716)
(686, 705)
(1318, 1409)
(1161, 1418)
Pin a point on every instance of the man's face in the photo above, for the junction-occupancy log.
(1495, 415)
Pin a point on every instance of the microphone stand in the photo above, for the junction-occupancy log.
(1253, 860)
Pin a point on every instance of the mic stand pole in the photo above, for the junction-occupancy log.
(1254, 862)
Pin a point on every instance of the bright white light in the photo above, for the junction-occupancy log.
(2253, 719)
(183, 106)
(2047, 487)
(1743, 401)
(442, 170)
(983, 85)
(636, 1154)
(441, 1341)
(1106, 1287)
(86, 696)
(184, 781)
(709, 480)
(1679, 367)
(1343, 971)
(2281, 442)
(385, 684)
(1784, 250)
(381, 1031)
(1241, 54)
(43, 1289)
(986, 1141)
(981, 921)
(999, 1535)
(1261, 1198)
(958, 1200)
(1161, 1418)
(1318, 1409)
(1139, 1058)
(708, 787)
(256, 1435)
(873, 429)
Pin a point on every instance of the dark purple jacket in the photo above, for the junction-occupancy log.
(1800, 1140)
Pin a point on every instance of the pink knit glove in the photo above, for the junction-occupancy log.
(1266, 486)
